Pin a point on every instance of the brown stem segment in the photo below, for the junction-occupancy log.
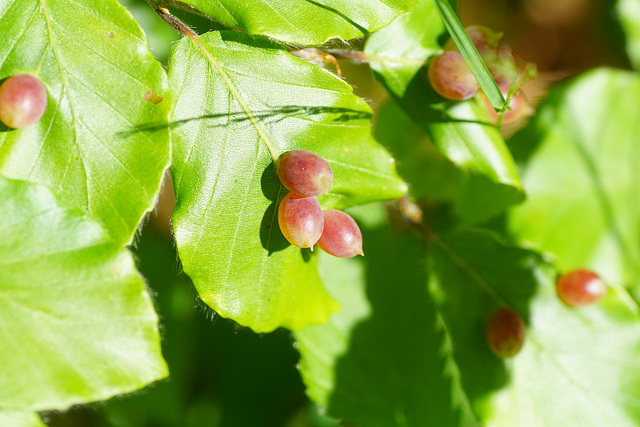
(176, 23)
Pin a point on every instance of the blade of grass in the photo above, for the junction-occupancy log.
(470, 54)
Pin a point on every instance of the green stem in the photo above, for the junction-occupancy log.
(470, 53)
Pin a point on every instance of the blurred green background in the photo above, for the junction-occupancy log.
(223, 375)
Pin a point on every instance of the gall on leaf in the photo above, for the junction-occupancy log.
(505, 333)
(23, 100)
(483, 38)
(580, 287)
(300, 219)
(451, 77)
(341, 236)
(305, 173)
(519, 107)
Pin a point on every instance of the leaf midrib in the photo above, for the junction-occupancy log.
(272, 146)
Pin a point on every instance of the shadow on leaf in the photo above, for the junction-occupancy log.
(401, 367)
(267, 116)
(429, 109)
(271, 237)
(392, 372)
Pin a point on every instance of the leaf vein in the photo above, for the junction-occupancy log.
(21, 35)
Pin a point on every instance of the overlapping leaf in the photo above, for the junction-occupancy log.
(629, 16)
(399, 51)
(382, 361)
(430, 173)
(236, 96)
(577, 366)
(76, 323)
(582, 172)
(460, 130)
(102, 142)
(306, 22)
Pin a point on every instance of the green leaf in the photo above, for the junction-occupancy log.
(20, 419)
(629, 15)
(581, 174)
(398, 52)
(100, 144)
(470, 53)
(577, 366)
(460, 130)
(235, 99)
(429, 173)
(383, 360)
(307, 22)
(76, 323)
(469, 195)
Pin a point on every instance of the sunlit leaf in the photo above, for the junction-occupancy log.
(431, 175)
(581, 171)
(577, 366)
(460, 130)
(306, 22)
(20, 419)
(248, 95)
(76, 322)
(399, 51)
(102, 143)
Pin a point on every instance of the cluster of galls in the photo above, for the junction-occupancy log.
(302, 221)
(451, 77)
(505, 328)
(23, 99)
